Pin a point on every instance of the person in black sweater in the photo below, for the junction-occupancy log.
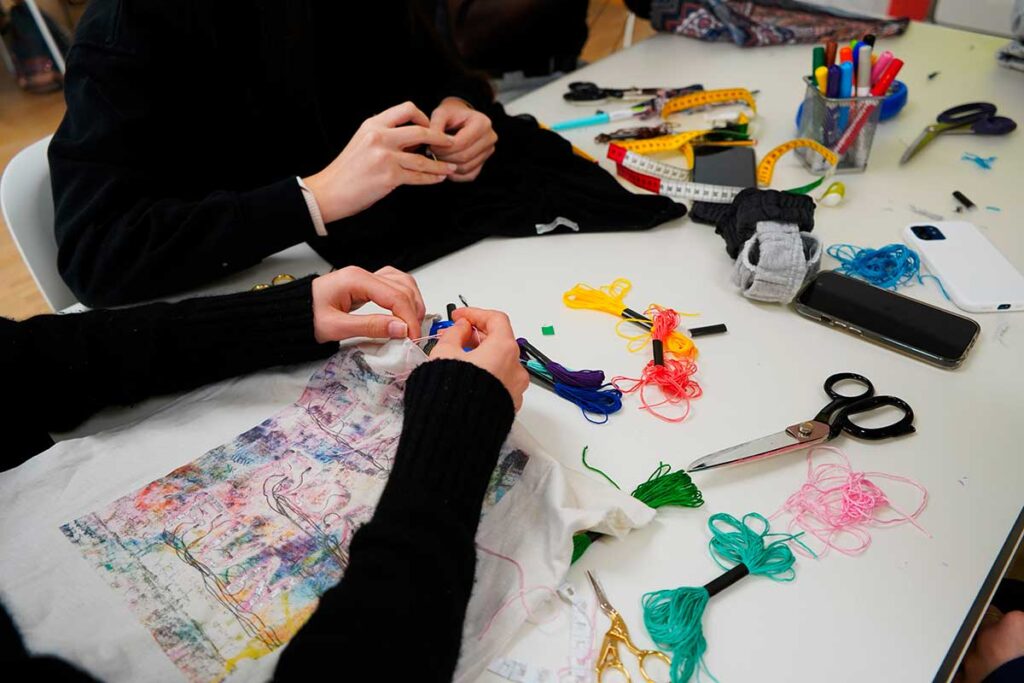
(201, 137)
(413, 563)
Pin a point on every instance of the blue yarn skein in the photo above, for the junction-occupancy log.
(603, 400)
(673, 617)
(889, 267)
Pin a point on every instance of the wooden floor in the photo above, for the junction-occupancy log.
(25, 118)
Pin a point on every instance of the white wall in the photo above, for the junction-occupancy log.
(987, 16)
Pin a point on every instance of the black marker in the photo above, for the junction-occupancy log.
(962, 198)
(451, 309)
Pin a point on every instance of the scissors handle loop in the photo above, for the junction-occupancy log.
(839, 400)
(841, 420)
(967, 113)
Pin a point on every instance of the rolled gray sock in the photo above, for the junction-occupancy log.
(776, 262)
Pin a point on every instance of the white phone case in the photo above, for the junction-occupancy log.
(976, 275)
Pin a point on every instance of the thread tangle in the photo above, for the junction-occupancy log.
(673, 617)
(586, 389)
(611, 299)
(663, 488)
(889, 267)
(672, 377)
(837, 505)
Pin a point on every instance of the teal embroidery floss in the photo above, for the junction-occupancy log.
(674, 617)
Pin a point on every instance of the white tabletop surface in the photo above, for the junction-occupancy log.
(891, 613)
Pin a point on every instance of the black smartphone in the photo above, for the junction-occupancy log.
(901, 323)
(731, 166)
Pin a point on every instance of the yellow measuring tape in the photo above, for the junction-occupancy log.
(667, 143)
(705, 97)
(766, 168)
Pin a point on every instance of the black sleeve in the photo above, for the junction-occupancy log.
(412, 565)
(441, 72)
(641, 8)
(1009, 672)
(131, 225)
(64, 368)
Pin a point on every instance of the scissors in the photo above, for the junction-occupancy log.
(980, 116)
(585, 92)
(833, 419)
(608, 657)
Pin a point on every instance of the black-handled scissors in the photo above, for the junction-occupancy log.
(978, 118)
(830, 422)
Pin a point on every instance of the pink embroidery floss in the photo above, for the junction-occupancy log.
(519, 596)
(838, 506)
(673, 377)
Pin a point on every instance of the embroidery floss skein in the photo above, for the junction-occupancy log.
(663, 488)
(673, 377)
(590, 379)
(673, 617)
(889, 267)
(837, 503)
(602, 401)
(611, 299)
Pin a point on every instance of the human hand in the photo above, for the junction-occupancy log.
(474, 137)
(337, 294)
(994, 645)
(377, 160)
(496, 349)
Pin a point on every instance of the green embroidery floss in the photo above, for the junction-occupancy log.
(663, 488)
(673, 617)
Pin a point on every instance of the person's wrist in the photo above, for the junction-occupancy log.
(330, 209)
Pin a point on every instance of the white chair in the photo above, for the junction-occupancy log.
(27, 203)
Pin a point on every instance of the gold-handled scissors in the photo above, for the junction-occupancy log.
(608, 655)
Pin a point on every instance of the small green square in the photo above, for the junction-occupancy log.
(548, 330)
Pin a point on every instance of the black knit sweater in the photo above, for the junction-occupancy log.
(412, 564)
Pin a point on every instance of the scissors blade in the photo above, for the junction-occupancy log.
(789, 439)
(602, 599)
(926, 136)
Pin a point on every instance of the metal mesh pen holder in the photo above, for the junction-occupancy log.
(826, 119)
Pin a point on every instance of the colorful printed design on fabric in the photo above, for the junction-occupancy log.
(766, 22)
(225, 558)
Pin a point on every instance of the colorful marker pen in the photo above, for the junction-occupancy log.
(880, 66)
(845, 54)
(870, 39)
(856, 49)
(864, 71)
(882, 86)
(817, 59)
(832, 88)
(821, 76)
(845, 90)
(830, 52)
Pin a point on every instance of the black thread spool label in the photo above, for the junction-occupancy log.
(727, 579)
(659, 352)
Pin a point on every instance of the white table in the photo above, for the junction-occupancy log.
(892, 613)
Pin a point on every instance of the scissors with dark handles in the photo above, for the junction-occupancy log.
(978, 118)
(830, 422)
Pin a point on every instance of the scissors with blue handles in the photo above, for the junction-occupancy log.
(830, 422)
(978, 118)
(608, 655)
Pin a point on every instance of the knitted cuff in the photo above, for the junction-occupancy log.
(776, 262)
(752, 206)
(456, 418)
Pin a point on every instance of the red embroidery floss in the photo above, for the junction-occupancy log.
(673, 377)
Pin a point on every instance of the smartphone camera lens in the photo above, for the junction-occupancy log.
(1003, 307)
(928, 233)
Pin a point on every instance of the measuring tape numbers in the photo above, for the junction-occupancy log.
(708, 97)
